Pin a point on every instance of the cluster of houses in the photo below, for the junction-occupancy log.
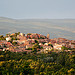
(58, 42)
(26, 42)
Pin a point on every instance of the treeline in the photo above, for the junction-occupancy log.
(36, 64)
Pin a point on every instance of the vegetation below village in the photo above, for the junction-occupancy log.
(12, 63)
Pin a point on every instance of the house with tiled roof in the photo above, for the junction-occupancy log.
(57, 47)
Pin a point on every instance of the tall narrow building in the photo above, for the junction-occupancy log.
(48, 36)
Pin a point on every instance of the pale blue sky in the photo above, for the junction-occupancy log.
(37, 9)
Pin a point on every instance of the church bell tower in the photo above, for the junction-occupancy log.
(48, 36)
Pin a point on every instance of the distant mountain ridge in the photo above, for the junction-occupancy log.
(6, 18)
(55, 27)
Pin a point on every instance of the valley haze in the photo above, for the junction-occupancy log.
(64, 28)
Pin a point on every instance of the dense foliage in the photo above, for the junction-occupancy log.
(36, 64)
(2, 37)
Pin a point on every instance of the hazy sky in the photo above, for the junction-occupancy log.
(38, 9)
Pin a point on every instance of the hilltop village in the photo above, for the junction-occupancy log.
(33, 42)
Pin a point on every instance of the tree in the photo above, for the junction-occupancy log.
(35, 46)
(7, 35)
(2, 57)
(36, 41)
(61, 59)
(64, 48)
(50, 45)
(71, 71)
(2, 37)
(14, 43)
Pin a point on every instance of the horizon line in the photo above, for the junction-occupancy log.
(34, 18)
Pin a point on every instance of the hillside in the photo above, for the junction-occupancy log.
(56, 27)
